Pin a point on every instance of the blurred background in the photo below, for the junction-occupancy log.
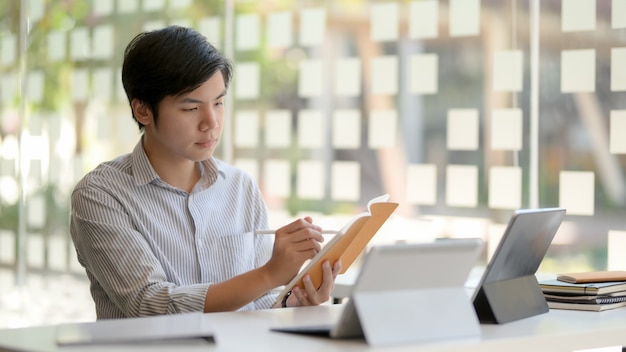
(462, 110)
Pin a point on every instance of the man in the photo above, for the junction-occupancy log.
(169, 228)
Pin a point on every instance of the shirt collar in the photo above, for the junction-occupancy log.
(144, 173)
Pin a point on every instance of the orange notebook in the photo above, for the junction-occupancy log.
(592, 276)
(347, 244)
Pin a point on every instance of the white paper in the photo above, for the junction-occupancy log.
(79, 44)
(312, 26)
(8, 49)
(508, 71)
(36, 212)
(348, 77)
(618, 69)
(462, 129)
(180, 4)
(310, 181)
(278, 129)
(507, 129)
(247, 129)
(7, 246)
(279, 30)
(103, 84)
(8, 87)
(346, 132)
(618, 14)
(578, 71)
(576, 192)
(35, 86)
(127, 6)
(384, 24)
(211, 28)
(578, 15)
(464, 17)
(153, 5)
(102, 7)
(80, 85)
(424, 74)
(616, 260)
(247, 80)
(277, 178)
(310, 129)
(248, 29)
(421, 184)
(381, 132)
(310, 78)
(103, 42)
(35, 251)
(462, 186)
(505, 187)
(56, 46)
(423, 19)
(384, 75)
(617, 131)
(56, 246)
(345, 181)
(35, 10)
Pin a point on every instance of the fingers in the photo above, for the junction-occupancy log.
(336, 269)
(312, 296)
(299, 225)
(302, 230)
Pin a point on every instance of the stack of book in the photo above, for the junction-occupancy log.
(594, 291)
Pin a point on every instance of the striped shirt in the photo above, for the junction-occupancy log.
(149, 248)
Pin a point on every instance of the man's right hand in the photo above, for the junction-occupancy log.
(294, 244)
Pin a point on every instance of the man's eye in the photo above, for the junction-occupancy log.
(190, 109)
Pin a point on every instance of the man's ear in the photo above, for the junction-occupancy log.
(142, 112)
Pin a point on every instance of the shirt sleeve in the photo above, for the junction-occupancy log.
(120, 261)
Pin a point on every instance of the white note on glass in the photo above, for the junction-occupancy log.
(505, 187)
(462, 186)
(576, 192)
(345, 181)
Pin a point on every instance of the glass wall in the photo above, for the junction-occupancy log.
(461, 110)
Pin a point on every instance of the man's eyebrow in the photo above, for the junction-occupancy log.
(222, 94)
(189, 100)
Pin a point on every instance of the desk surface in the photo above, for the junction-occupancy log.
(558, 330)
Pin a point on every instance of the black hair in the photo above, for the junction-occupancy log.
(169, 62)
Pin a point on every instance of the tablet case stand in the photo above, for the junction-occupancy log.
(409, 316)
(508, 300)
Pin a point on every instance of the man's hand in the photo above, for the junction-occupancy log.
(311, 296)
(294, 244)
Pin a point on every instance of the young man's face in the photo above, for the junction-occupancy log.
(189, 126)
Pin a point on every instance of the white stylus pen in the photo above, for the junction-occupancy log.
(271, 232)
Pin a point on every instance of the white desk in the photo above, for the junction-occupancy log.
(556, 331)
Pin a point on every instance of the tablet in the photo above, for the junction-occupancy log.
(508, 289)
(407, 293)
